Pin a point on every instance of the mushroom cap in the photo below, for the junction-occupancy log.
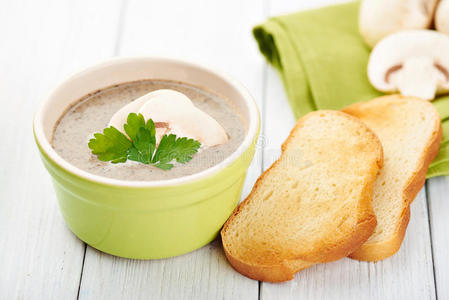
(379, 18)
(121, 116)
(412, 60)
(183, 118)
(442, 17)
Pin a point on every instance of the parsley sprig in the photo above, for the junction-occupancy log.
(112, 145)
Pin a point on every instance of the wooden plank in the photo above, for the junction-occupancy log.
(406, 275)
(213, 33)
(202, 274)
(278, 117)
(41, 42)
(437, 192)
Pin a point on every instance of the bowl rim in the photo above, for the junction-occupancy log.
(51, 154)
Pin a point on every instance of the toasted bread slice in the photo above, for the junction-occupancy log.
(312, 205)
(410, 132)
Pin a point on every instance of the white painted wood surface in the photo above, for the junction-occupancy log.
(43, 41)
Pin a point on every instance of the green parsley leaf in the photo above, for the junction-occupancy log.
(163, 166)
(111, 145)
(143, 146)
(152, 129)
(133, 123)
(171, 147)
(114, 146)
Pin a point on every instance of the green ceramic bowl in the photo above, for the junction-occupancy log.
(146, 219)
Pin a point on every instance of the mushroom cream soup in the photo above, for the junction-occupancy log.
(93, 112)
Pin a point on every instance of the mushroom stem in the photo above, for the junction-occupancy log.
(418, 78)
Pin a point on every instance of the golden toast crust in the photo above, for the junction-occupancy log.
(374, 251)
(366, 221)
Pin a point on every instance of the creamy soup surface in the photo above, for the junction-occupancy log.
(92, 114)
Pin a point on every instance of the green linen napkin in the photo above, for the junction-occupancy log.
(322, 61)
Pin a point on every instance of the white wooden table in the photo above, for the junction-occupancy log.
(43, 41)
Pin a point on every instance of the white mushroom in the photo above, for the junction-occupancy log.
(120, 117)
(413, 62)
(379, 18)
(442, 17)
(173, 112)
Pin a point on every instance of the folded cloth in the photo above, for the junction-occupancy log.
(322, 61)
